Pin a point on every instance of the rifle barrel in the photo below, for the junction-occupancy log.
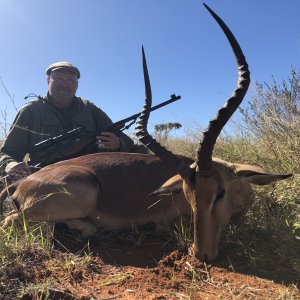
(135, 116)
(173, 98)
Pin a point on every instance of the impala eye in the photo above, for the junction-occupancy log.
(220, 195)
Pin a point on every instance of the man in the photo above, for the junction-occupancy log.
(49, 116)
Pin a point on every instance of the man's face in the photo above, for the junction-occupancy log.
(62, 87)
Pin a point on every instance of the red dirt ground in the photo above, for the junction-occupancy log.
(124, 266)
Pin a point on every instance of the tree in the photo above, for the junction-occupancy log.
(162, 130)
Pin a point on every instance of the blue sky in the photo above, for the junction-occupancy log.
(186, 51)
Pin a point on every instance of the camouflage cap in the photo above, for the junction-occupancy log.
(62, 65)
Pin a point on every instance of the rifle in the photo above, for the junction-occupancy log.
(74, 142)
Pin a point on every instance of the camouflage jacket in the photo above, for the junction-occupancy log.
(38, 120)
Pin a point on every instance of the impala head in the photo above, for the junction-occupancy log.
(214, 188)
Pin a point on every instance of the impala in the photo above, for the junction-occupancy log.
(116, 190)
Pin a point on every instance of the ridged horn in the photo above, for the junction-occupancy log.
(143, 135)
(210, 135)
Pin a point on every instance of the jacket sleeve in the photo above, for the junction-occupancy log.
(16, 144)
(102, 120)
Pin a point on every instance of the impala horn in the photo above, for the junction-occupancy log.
(210, 135)
(145, 138)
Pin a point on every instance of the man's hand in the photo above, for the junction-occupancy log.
(108, 140)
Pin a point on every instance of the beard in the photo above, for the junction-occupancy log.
(62, 98)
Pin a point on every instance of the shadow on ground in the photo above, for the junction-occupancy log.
(145, 249)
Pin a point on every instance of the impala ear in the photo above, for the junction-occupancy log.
(257, 175)
(171, 186)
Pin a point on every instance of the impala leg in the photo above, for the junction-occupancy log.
(85, 227)
(10, 220)
(69, 203)
(18, 221)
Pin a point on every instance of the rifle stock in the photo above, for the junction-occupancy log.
(72, 143)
